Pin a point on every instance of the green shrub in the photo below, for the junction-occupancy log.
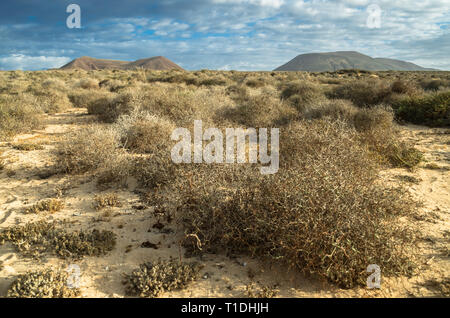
(430, 109)
(153, 278)
(42, 284)
(33, 239)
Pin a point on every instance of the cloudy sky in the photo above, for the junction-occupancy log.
(222, 34)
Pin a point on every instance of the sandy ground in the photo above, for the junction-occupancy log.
(21, 184)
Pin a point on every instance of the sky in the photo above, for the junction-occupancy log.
(222, 34)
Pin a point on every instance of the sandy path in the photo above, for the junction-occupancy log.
(21, 184)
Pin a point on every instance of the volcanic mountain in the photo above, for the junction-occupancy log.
(89, 63)
(334, 61)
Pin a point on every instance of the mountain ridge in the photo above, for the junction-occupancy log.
(89, 63)
(335, 61)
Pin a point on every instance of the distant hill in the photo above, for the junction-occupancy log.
(89, 63)
(334, 61)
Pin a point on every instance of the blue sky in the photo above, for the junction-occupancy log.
(221, 34)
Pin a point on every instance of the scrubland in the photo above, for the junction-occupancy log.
(343, 197)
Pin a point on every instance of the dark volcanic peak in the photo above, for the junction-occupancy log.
(334, 61)
(89, 63)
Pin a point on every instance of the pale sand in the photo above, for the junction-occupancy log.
(101, 276)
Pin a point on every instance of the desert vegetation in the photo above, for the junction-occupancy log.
(326, 213)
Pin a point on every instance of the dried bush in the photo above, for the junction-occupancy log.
(87, 83)
(153, 278)
(18, 113)
(27, 147)
(262, 292)
(47, 205)
(54, 84)
(178, 104)
(155, 170)
(256, 82)
(256, 111)
(213, 80)
(91, 99)
(106, 200)
(49, 100)
(403, 87)
(42, 284)
(434, 84)
(323, 212)
(115, 171)
(88, 149)
(301, 94)
(339, 109)
(376, 129)
(112, 85)
(145, 133)
(362, 93)
(33, 239)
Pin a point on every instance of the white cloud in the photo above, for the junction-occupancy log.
(23, 62)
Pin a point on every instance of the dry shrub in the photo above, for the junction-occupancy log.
(260, 292)
(49, 99)
(113, 85)
(88, 149)
(145, 133)
(176, 103)
(177, 77)
(306, 90)
(87, 83)
(115, 171)
(339, 109)
(106, 200)
(47, 205)
(219, 80)
(155, 170)
(434, 84)
(376, 128)
(89, 99)
(263, 110)
(362, 93)
(18, 113)
(256, 82)
(34, 239)
(54, 84)
(27, 147)
(301, 94)
(150, 135)
(53, 101)
(323, 212)
(403, 87)
(238, 93)
(42, 284)
(153, 278)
